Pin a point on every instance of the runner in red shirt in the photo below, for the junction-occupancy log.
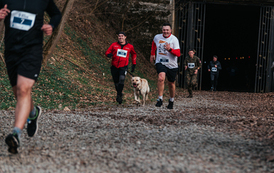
(119, 52)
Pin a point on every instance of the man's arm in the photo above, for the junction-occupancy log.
(54, 13)
(133, 56)
(219, 66)
(175, 52)
(133, 59)
(55, 18)
(199, 65)
(152, 53)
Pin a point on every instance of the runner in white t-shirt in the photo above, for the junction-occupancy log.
(168, 50)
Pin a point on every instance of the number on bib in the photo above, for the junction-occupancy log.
(191, 65)
(22, 20)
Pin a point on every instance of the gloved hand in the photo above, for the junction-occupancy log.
(133, 68)
(110, 55)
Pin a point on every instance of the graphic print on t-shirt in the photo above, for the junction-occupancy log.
(161, 48)
(169, 59)
(163, 58)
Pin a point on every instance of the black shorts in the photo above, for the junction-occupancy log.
(27, 63)
(170, 73)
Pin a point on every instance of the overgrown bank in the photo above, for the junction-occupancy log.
(78, 74)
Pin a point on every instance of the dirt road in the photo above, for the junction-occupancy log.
(212, 132)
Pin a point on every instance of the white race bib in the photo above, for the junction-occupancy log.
(214, 69)
(122, 53)
(22, 20)
(191, 65)
(164, 60)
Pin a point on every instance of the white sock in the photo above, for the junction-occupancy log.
(18, 131)
(160, 97)
(172, 99)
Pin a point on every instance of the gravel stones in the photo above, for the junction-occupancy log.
(128, 138)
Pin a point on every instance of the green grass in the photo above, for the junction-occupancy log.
(63, 84)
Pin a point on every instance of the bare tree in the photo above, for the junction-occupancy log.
(2, 30)
(52, 42)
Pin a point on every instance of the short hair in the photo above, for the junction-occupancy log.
(121, 32)
(215, 56)
(167, 24)
(192, 50)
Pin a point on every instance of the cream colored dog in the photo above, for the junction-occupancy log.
(140, 88)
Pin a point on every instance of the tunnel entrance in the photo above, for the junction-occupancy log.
(231, 33)
(242, 36)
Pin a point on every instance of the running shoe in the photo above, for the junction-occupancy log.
(159, 103)
(32, 127)
(13, 142)
(170, 104)
(119, 99)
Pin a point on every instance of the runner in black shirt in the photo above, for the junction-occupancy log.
(24, 28)
(214, 67)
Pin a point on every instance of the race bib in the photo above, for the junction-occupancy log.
(22, 20)
(214, 69)
(191, 65)
(122, 53)
(164, 60)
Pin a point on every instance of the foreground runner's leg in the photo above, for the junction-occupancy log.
(22, 92)
(13, 140)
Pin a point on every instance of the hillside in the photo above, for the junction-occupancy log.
(78, 73)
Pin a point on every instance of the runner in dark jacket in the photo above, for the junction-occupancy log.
(214, 67)
(24, 28)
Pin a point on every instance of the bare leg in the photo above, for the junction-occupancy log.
(161, 83)
(24, 105)
(171, 87)
(15, 95)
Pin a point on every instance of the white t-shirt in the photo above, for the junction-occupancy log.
(164, 56)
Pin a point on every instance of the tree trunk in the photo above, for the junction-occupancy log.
(51, 44)
(2, 31)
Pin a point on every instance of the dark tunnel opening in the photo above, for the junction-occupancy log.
(231, 33)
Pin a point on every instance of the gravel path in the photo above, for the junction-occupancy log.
(128, 138)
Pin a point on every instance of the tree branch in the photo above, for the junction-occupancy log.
(51, 44)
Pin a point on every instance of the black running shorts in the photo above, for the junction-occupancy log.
(27, 63)
(170, 73)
